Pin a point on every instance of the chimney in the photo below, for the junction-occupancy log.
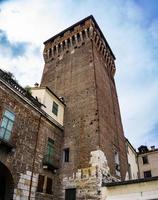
(36, 84)
(152, 147)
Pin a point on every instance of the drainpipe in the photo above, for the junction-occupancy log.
(34, 158)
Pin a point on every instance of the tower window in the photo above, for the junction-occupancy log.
(117, 163)
(145, 160)
(66, 155)
(55, 108)
(7, 125)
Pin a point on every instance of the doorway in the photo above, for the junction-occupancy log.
(6, 183)
(70, 194)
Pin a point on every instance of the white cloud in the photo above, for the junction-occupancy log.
(124, 25)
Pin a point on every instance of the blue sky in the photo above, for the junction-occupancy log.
(131, 29)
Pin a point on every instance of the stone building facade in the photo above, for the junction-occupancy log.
(66, 140)
(148, 161)
(25, 133)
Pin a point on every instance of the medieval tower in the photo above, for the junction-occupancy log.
(80, 68)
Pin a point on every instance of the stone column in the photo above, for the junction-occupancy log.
(61, 46)
(81, 36)
(99, 45)
(76, 39)
(66, 44)
(97, 39)
(91, 31)
(71, 42)
(86, 33)
(57, 50)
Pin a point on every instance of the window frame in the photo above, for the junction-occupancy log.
(50, 149)
(117, 163)
(145, 159)
(45, 184)
(55, 108)
(9, 120)
(66, 154)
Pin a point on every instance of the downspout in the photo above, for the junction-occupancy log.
(34, 158)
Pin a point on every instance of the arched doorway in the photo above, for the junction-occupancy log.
(6, 183)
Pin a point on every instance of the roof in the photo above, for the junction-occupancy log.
(11, 84)
(148, 152)
(76, 24)
(15, 85)
(142, 180)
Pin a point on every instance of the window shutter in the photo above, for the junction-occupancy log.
(40, 183)
(49, 186)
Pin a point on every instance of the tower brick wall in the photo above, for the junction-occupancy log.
(79, 65)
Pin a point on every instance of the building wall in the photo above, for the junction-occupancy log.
(92, 118)
(73, 78)
(132, 161)
(46, 98)
(152, 164)
(111, 134)
(141, 191)
(28, 127)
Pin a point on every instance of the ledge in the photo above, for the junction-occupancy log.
(6, 144)
(135, 181)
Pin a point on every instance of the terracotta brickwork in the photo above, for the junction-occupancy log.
(79, 65)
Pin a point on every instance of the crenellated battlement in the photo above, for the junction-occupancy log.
(76, 36)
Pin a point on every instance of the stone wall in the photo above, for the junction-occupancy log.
(88, 181)
(24, 161)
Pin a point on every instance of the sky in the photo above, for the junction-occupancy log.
(131, 29)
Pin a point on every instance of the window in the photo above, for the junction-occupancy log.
(49, 186)
(129, 171)
(50, 150)
(44, 184)
(40, 183)
(70, 194)
(55, 108)
(7, 125)
(147, 174)
(117, 164)
(66, 155)
(145, 160)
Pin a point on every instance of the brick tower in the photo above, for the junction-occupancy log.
(79, 66)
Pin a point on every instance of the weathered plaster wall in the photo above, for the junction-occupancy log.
(138, 191)
(151, 165)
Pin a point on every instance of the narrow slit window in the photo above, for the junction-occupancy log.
(66, 155)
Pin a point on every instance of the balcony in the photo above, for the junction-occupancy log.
(6, 145)
(50, 163)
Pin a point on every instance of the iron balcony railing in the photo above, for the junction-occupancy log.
(51, 162)
(6, 77)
